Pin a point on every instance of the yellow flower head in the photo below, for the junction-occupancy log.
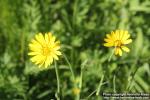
(44, 49)
(118, 39)
(76, 91)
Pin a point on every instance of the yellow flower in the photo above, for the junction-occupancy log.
(118, 39)
(76, 91)
(44, 49)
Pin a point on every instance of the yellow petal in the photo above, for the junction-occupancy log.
(49, 36)
(126, 35)
(33, 53)
(35, 48)
(108, 44)
(35, 42)
(125, 48)
(39, 37)
(41, 64)
(108, 40)
(120, 52)
(127, 41)
(117, 34)
(48, 61)
(55, 56)
(116, 51)
(53, 38)
(38, 58)
(113, 36)
(109, 36)
(46, 38)
(55, 46)
(58, 53)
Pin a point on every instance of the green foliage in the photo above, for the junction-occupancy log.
(81, 26)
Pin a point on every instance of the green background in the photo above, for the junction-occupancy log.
(81, 26)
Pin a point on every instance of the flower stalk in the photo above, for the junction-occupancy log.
(58, 82)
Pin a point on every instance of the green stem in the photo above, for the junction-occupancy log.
(81, 76)
(114, 84)
(22, 47)
(75, 9)
(111, 55)
(91, 94)
(100, 84)
(80, 84)
(69, 66)
(87, 98)
(58, 82)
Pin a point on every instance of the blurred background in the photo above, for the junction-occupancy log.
(81, 26)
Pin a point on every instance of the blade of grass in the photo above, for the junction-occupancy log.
(100, 84)
(69, 66)
(114, 84)
(93, 92)
(58, 82)
(81, 76)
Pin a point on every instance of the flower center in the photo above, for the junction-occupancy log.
(118, 43)
(46, 50)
